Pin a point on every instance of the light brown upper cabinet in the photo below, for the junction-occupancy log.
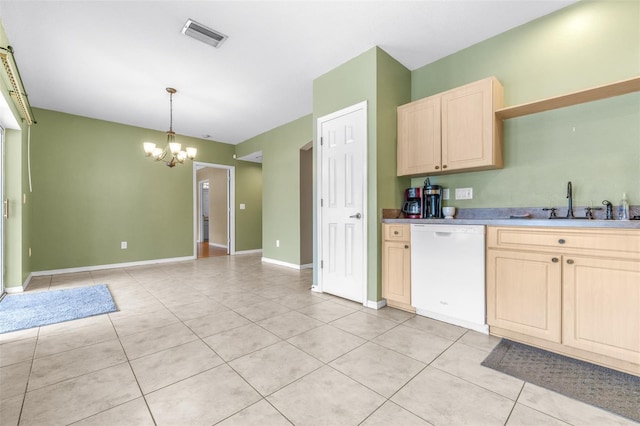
(452, 132)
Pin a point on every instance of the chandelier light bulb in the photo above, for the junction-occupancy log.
(174, 147)
(191, 152)
(149, 147)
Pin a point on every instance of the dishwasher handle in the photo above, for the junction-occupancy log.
(442, 234)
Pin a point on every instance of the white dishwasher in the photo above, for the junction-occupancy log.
(448, 274)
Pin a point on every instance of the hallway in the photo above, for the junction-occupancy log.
(206, 250)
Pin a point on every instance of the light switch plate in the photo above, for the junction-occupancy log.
(445, 194)
(242, 206)
(464, 193)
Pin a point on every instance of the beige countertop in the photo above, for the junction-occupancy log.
(560, 223)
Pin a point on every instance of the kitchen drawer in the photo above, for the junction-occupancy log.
(396, 232)
(619, 243)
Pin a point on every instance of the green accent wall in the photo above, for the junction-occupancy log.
(594, 145)
(248, 192)
(280, 186)
(384, 83)
(93, 188)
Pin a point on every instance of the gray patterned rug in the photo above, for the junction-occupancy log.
(599, 386)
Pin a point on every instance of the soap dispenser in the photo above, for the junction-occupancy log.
(623, 208)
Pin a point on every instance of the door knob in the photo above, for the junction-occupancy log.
(356, 216)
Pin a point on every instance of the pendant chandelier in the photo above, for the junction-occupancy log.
(172, 153)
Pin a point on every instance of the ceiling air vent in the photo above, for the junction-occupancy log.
(202, 33)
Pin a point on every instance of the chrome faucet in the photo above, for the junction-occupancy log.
(570, 198)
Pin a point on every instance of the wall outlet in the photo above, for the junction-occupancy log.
(123, 245)
(464, 193)
(277, 243)
(445, 194)
(29, 251)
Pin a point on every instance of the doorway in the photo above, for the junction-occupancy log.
(214, 214)
(306, 206)
(342, 184)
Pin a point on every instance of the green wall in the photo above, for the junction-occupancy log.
(281, 186)
(93, 188)
(384, 83)
(249, 193)
(393, 88)
(594, 145)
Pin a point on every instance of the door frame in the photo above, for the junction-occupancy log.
(231, 212)
(320, 121)
(2, 219)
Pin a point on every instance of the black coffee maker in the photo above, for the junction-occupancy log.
(431, 201)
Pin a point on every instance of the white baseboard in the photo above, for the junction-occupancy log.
(281, 263)
(17, 288)
(307, 266)
(376, 305)
(248, 251)
(110, 266)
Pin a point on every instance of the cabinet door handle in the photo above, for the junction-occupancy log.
(395, 232)
(437, 167)
(406, 246)
(561, 241)
(554, 259)
(444, 166)
(570, 261)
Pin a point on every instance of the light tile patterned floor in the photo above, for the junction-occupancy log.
(232, 341)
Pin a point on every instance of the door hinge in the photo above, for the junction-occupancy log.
(321, 141)
(321, 202)
(321, 264)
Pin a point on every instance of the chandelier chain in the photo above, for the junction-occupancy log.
(170, 111)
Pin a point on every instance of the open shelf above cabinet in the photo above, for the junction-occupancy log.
(582, 96)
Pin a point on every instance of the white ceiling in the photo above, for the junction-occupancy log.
(112, 60)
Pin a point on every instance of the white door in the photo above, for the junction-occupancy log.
(342, 187)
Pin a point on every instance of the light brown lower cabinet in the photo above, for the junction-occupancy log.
(571, 291)
(396, 266)
(524, 293)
